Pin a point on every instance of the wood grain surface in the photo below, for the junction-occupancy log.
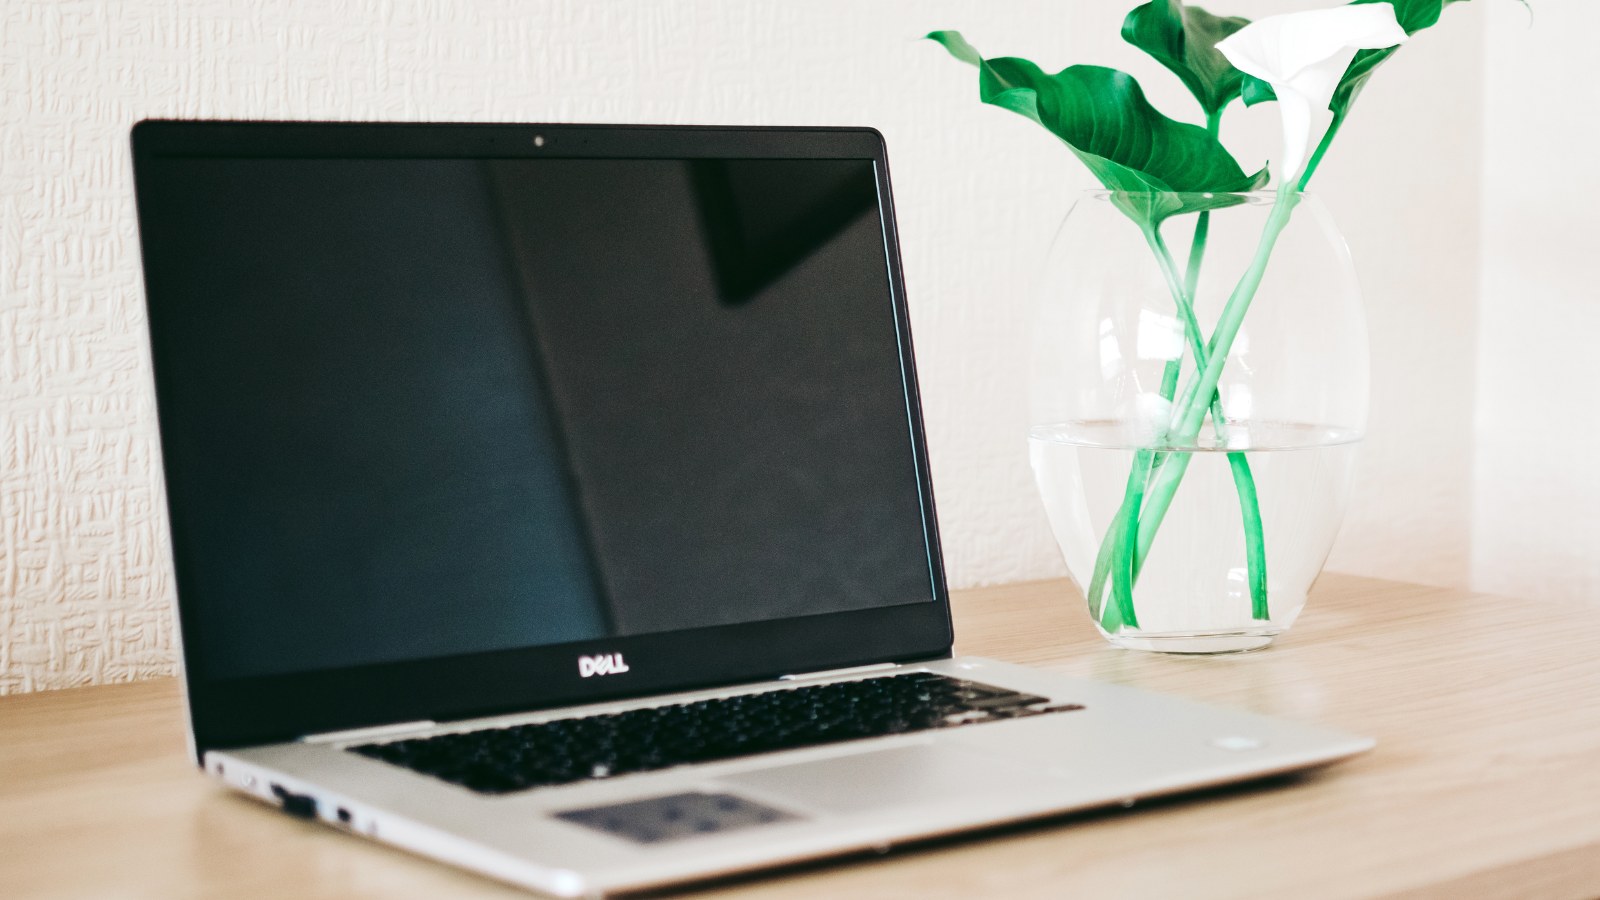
(1485, 783)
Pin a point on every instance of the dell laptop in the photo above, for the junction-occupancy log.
(553, 501)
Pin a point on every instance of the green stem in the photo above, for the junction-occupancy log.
(1205, 382)
(1125, 524)
(1180, 295)
(1107, 613)
(1233, 313)
(1255, 550)
(1169, 386)
(1243, 480)
(1123, 554)
(1169, 379)
(1322, 147)
(1197, 251)
(1102, 567)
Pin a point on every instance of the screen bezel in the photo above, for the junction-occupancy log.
(246, 711)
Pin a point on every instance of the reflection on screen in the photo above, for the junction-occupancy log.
(420, 408)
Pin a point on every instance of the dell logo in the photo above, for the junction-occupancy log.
(604, 664)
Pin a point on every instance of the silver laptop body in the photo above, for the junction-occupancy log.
(388, 532)
(1123, 746)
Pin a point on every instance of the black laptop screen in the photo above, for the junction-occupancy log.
(421, 408)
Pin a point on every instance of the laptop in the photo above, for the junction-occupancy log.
(553, 501)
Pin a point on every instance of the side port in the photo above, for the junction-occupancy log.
(301, 806)
(344, 816)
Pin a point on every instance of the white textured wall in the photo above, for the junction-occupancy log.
(84, 588)
(1404, 189)
(1537, 489)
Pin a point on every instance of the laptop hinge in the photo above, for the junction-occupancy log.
(829, 673)
(356, 734)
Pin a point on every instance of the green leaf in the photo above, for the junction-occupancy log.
(1413, 16)
(1103, 117)
(1355, 78)
(1256, 91)
(1184, 38)
(958, 46)
(1155, 208)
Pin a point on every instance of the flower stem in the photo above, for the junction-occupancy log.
(1180, 294)
(1197, 251)
(1255, 551)
(1109, 614)
(1126, 526)
(1123, 554)
(1102, 566)
(1243, 480)
(1233, 313)
(1322, 147)
(1204, 384)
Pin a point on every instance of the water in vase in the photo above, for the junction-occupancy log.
(1192, 593)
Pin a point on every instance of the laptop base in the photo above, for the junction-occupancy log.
(700, 821)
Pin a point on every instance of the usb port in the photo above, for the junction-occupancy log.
(301, 806)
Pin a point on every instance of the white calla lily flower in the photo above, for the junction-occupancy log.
(1303, 55)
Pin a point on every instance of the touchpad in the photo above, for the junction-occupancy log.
(898, 777)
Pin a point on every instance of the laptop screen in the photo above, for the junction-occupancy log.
(423, 408)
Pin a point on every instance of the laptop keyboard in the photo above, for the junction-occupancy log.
(501, 760)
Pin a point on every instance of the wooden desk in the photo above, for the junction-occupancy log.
(1485, 783)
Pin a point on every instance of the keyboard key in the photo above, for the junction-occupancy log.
(519, 757)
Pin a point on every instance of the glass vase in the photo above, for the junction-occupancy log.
(1229, 528)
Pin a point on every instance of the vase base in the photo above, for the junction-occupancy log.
(1193, 644)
